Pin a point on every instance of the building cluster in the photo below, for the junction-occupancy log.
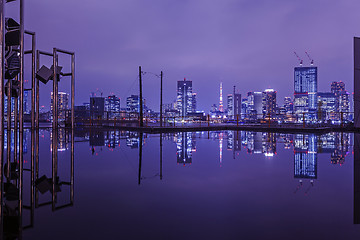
(307, 104)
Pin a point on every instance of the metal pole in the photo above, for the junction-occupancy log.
(140, 156)
(55, 97)
(161, 148)
(2, 71)
(72, 91)
(72, 167)
(8, 112)
(37, 100)
(161, 99)
(141, 100)
(33, 74)
(37, 166)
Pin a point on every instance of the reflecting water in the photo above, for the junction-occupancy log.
(204, 185)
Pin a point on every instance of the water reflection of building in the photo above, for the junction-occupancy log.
(254, 142)
(132, 139)
(269, 144)
(234, 141)
(12, 144)
(112, 139)
(305, 156)
(185, 145)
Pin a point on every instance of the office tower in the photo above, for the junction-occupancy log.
(133, 104)
(221, 106)
(269, 102)
(288, 105)
(63, 104)
(244, 106)
(337, 87)
(269, 144)
(326, 106)
(184, 97)
(97, 107)
(193, 102)
(234, 105)
(344, 105)
(255, 105)
(305, 91)
(112, 106)
(230, 108)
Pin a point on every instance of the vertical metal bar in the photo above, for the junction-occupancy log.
(140, 157)
(72, 91)
(72, 167)
(141, 100)
(37, 100)
(55, 96)
(32, 177)
(54, 163)
(21, 114)
(8, 112)
(2, 71)
(37, 166)
(161, 99)
(16, 103)
(161, 157)
(33, 73)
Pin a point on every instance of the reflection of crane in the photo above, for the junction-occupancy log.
(300, 60)
(311, 60)
(311, 185)
(93, 94)
(298, 186)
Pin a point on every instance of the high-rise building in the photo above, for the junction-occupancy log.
(255, 105)
(97, 107)
(288, 105)
(305, 91)
(337, 87)
(184, 97)
(305, 156)
(193, 102)
(63, 104)
(112, 106)
(234, 105)
(344, 105)
(269, 102)
(326, 106)
(221, 106)
(244, 107)
(133, 104)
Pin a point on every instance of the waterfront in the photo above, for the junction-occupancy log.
(213, 185)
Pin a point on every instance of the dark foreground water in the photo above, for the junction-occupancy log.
(217, 185)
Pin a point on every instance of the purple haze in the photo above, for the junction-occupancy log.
(247, 43)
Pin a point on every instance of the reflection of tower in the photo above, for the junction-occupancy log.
(221, 138)
(185, 145)
(132, 139)
(305, 156)
(221, 106)
(342, 143)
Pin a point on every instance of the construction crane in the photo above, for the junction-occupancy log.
(93, 94)
(300, 60)
(311, 60)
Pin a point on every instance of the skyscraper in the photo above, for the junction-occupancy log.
(305, 91)
(288, 105)
(326, 105)
(63, 104)
(255, 105)
(97, 107)
(344, 105)
(133, 104)
(184, 97)
(234, 105)
(269, 102)
(112, 106)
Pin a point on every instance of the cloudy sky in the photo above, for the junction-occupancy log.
(245, 43)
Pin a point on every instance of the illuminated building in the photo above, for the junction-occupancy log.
(326, 105)
(133, 104)
(112, 106)
(63, 104)
(254, 105)
(184, 101)
(305, 91)
(269, 103)
(344, 105)
(288, 105)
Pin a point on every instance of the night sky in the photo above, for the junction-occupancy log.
(246, 43)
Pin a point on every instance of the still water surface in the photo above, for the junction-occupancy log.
(217, 185)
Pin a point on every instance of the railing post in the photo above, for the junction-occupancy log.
(237, 120)
(342, 118)
(208, 120)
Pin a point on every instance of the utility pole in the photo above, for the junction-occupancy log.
(161, 98)
(141, 100)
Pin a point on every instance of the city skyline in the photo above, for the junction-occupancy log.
(197, 41)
